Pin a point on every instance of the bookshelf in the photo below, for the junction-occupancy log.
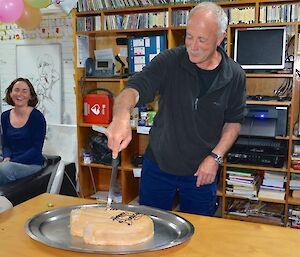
(105, 20)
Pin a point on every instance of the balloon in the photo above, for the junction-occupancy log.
(38, 3)
(11, 10)
(30, 19)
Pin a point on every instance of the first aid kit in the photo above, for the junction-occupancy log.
(97, 107)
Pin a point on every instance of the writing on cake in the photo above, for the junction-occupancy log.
(107, 226)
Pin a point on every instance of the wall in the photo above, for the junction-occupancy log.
(54, 28)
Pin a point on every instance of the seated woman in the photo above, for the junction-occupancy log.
(24, 130)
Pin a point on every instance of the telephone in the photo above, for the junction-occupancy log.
(103, 68)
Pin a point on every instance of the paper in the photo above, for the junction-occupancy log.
(138, 67)
(138, 42)
(82, 50)
(123, 51)
(139, 50)
(139, 59)
(104, 54)
(151, 56)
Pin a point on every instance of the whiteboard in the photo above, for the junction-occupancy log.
(41, 64)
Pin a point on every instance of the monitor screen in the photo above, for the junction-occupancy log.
(260, 48)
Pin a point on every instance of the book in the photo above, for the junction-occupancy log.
(271, 194)
(296, 194)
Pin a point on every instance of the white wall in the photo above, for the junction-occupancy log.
(54, 28)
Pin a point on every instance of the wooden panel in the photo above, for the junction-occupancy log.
(263, 86)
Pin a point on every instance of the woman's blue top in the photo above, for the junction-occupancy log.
(24, 145)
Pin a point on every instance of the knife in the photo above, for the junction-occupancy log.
(114, 173)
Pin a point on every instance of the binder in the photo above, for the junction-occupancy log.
(141, 50)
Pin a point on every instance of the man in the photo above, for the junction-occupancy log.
(201, 105)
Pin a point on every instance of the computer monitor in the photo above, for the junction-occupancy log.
(260, 48)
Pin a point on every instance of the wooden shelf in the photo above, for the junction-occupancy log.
(96, 165)
(103, 79)
(277, 103)
(114, 32)
(255, 167)
(252, 219)
(269, 75)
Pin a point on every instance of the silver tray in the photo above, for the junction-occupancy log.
(52, 228)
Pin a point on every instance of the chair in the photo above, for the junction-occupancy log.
(24, 189)
(4, 204)
(56, 179)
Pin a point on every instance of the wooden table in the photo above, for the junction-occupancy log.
(213, 236)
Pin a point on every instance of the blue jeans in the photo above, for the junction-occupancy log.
(11, 171)
(158, 189)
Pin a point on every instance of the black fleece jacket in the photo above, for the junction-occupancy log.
(188, 126)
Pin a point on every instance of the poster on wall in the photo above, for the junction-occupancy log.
(41, 64)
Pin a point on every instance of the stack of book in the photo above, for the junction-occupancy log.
(295, 185)
(273, 186)
(294, 216)
(272, 212)
(242, 182)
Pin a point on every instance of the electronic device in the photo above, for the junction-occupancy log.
(258, 151)
(100, 68)
(265, 121)
(260, 48)
(268, 98)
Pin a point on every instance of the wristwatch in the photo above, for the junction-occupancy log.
(218, 158)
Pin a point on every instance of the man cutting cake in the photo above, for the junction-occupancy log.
(201, 105)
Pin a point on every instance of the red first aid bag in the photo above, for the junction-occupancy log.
(97, 108)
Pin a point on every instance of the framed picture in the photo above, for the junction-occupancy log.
(41, 64)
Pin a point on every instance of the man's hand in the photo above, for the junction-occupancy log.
(119, 132)
(119, 135)
(7, 159)
(207, 171)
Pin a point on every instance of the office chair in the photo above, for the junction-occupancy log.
(56, 179)
(25, 188)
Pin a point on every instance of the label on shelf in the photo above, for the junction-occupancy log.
(143, 130)
(137, 172)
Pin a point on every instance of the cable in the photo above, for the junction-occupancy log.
(285, 88)
(93, 180)
(72, 184)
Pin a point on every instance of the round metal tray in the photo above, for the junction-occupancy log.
(52, 228)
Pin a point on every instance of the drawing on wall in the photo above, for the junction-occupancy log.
(41, 64)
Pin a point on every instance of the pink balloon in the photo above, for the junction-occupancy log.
(11, 10)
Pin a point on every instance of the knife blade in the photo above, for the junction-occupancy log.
(114, 174)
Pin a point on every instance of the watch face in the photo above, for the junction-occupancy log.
(218, 158)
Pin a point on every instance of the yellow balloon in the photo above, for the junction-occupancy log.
(30, 19)
(38, 3)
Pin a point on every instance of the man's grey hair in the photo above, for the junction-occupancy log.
(222, 19)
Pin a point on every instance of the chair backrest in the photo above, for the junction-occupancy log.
(56, 179)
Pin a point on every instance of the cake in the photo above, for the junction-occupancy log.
(106, 226)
